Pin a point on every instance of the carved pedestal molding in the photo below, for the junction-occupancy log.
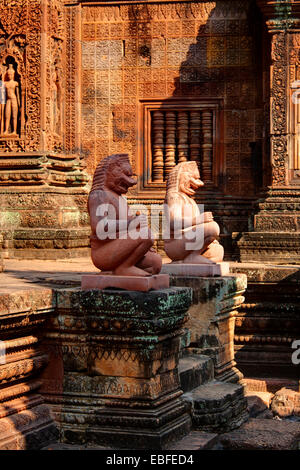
(25, 420)
(113, 375)
(212, 319)
(268, 323)
(276, 235)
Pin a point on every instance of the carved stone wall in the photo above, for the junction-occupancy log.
(168, 51)
(165, 50)
(43, 186)
(276, 236)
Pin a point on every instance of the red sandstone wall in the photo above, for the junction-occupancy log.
(201, 50)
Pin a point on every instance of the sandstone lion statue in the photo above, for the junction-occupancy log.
(115, 251)
(186, 222)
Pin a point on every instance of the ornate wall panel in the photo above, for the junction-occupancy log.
(165, 51)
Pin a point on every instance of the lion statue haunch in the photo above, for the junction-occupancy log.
(186, 221)
(117, 252)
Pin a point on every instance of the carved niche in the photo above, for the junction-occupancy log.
(13, 23)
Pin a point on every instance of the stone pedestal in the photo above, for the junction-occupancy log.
(137, 283)
(268, 322)
(113, 376)
(25, 420)
(212, 319)
(205, 270)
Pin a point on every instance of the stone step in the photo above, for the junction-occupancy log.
(195, 370)
(217, 406)
(263, 434)
(195, 440)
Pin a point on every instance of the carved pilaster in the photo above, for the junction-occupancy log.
(276, 235)
(278, 102)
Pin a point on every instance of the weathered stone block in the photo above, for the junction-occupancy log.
(263, 434)
(286, 402)
(113, 374)
(212, 319)
(217, 406)
(25, 421)
(268, 323)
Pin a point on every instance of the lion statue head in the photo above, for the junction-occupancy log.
(183, 178)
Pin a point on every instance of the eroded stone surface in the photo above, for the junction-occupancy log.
(211, 320)
(120, 349)
(217, 406)
(263, 434)
(286, 402)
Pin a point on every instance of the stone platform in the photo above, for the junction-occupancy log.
(113, 375)
(57, 277)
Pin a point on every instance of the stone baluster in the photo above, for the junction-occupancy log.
(170, 142)
(206, 145)
(195, 125)
(158, 147)
(183, 130)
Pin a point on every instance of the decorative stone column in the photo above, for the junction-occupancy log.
(212, 319)
(42, 178)
(113, 377)
(276, 227)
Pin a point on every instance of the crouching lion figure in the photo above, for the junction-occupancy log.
(186, 223)
(113, 248)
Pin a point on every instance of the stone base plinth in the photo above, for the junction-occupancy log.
(25, 420)
(43, 222)
(113, 373)
(268, 247)
(267, 324)
(202, 270)
(212, 319)
(134, 283)
(218, 406)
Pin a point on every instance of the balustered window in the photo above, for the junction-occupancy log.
(177, 132)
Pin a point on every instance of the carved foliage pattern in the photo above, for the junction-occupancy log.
(279, 108)
(55, 75)
(70, 81)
